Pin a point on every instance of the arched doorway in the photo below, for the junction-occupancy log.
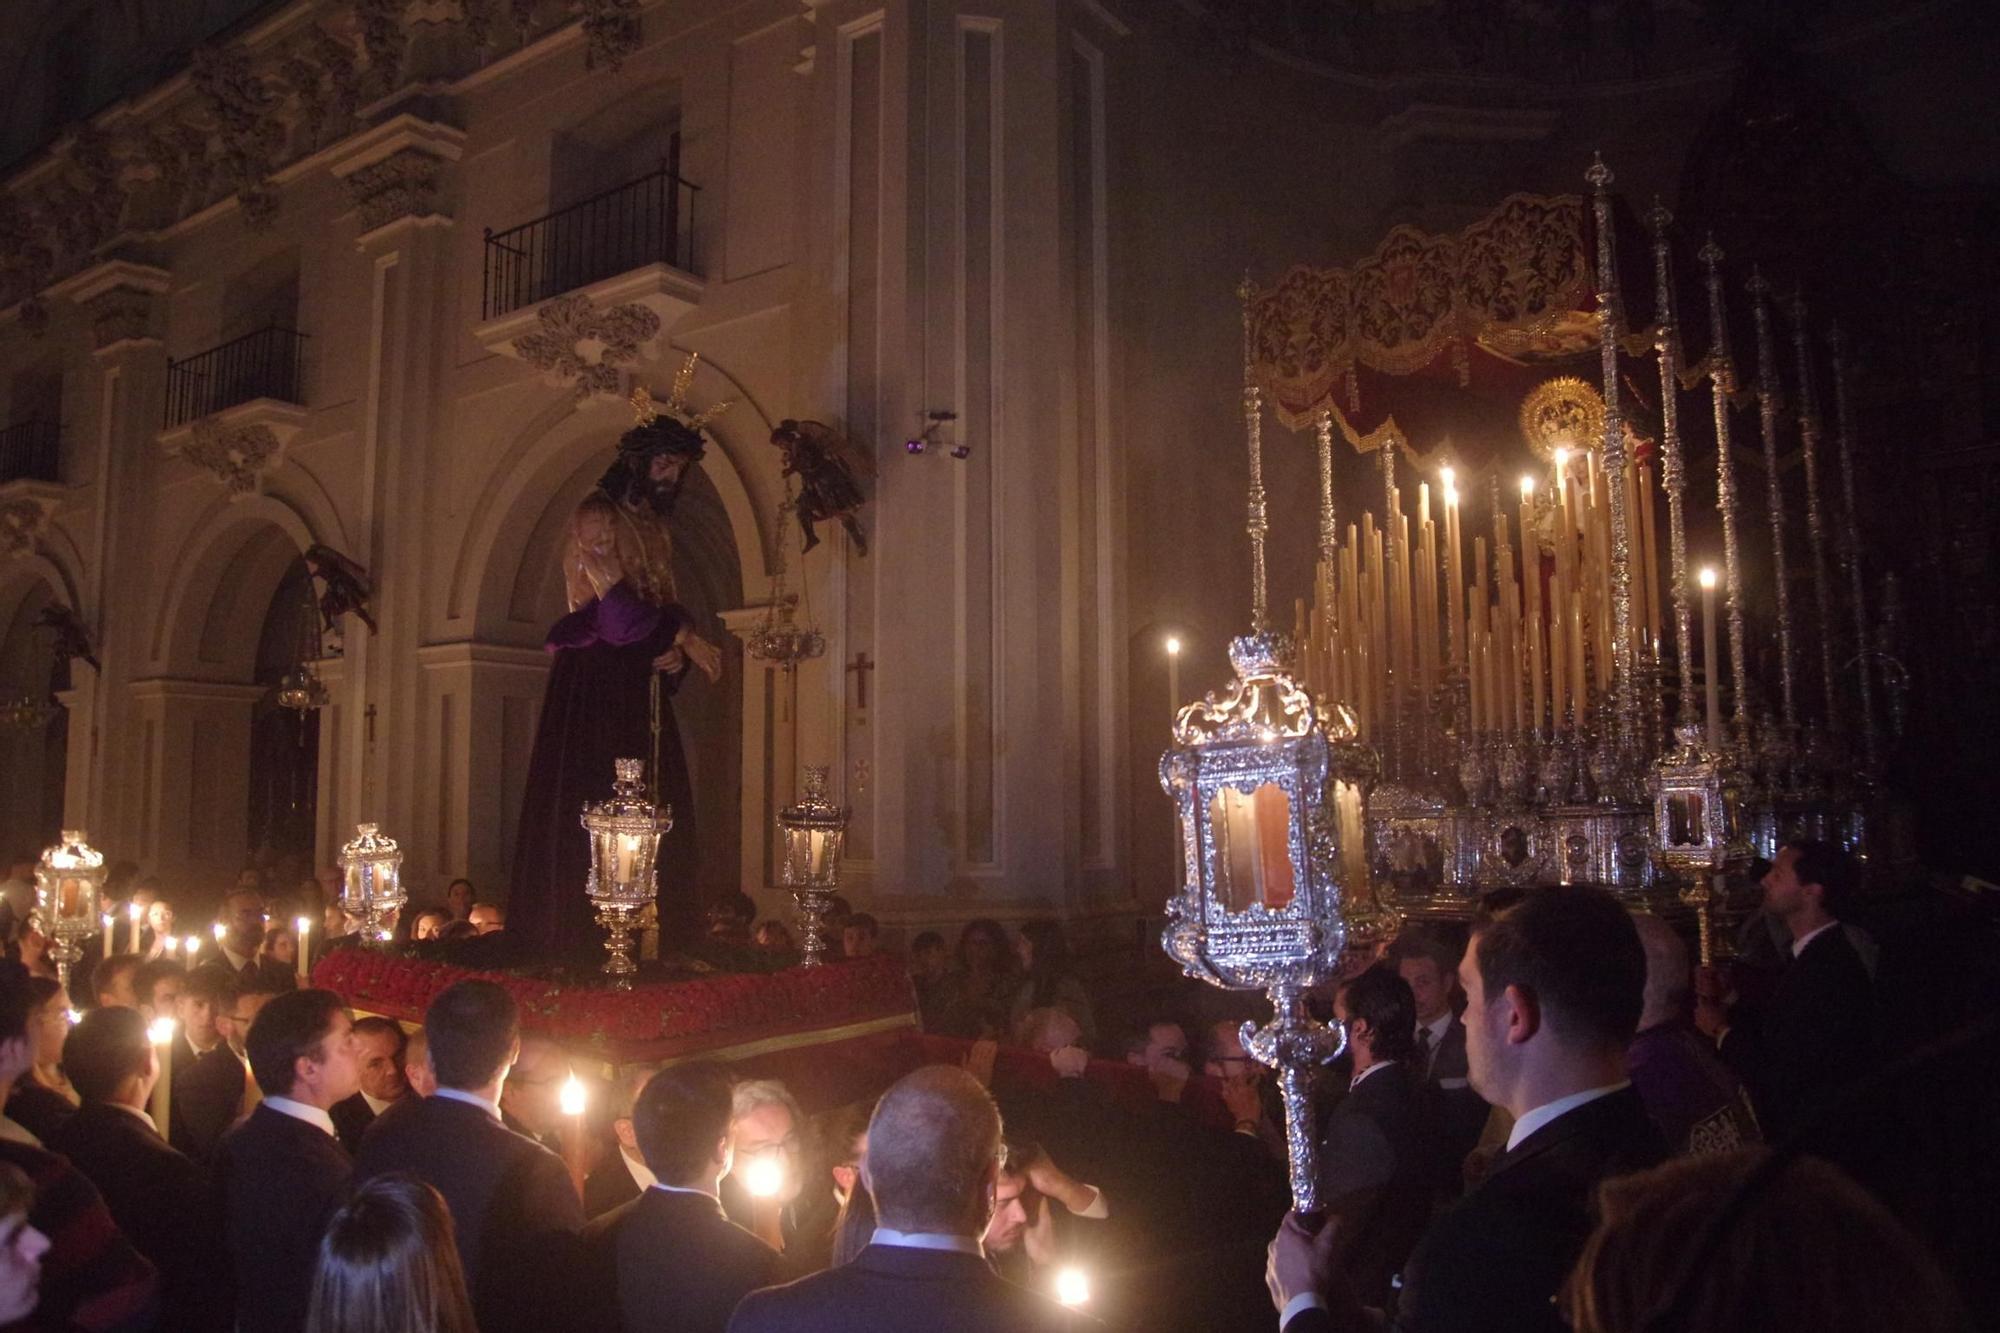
(34, 729)
(284, 742)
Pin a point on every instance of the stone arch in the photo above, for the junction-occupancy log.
(223, 579)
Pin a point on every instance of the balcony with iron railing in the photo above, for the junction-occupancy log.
(630, 244)
(31, 450)
(267, 364)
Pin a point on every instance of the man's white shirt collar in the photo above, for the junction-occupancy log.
(1355, 1082)
(1548, 1111)
(927, 1240)
(237, 962)
(133, 1110)
(376, 1104)
(1799, 944)
(642, 1175)
(312, 1115)
(470, 1099)
(1438, 1027)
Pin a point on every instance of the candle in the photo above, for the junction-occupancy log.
(1558, 654)
(172, 946)
(161, 1032)
(304, 924)
(133, 910)
(1454, 573)
(1711, 676)
(109, 944)
(572, 1102)
(193, 946)
(1173, 678)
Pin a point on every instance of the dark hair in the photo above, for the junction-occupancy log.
(734, 905)
(214, 986)
(105, 975)
(472, 1026)
(1655, 1265)
(863, 921)
(153, 973)
(854, 1225)
(1419, 942)
(459, 929)
(1576, 952)
(681, 1114)
(388, 1263)
(1826, 865)
(1049, 965)
(1380, 997)
(374, 1023)
(107, 1047)
(40, 990)
(926, 941)
(15, 1006)
(264, 981)
(17, 1191)
(288, 1029)
(460, 880)
(996, 935)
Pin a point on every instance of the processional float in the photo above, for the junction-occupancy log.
(1435, 727)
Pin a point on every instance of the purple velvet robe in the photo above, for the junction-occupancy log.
(597, 708)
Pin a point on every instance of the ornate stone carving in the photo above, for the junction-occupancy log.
(244, 109)
(383, 38)
(22, 519)
(579, 342)
(122, 314)
(403, 184)
(611, 32)
(239, 455)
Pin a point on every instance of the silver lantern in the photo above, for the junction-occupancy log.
(69, 880)
(625, 833)
(815, 831)
(1261, 907)
(372, 882)
(1697, 822)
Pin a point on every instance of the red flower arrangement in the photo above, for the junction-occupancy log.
(695, 1013)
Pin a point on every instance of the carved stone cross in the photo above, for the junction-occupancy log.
(860, 667)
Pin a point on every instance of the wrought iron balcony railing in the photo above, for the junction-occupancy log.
(646, 221)
(264, 364)
(30, 450)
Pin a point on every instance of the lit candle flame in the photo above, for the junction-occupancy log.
(1447, 474)
(132, 910)
(764, 1176)
(219, 930)
(1562, 458)
(572, 1096)
(193, 945)
(1707, 576)
(170, 944)
(1450, 494)
(161, 1030)
(1173, 646)
(305, 926)
(1072, 1287)
(1527, 488)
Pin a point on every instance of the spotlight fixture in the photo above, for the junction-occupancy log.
(927, 437)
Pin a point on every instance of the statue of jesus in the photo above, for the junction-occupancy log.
(620, 653)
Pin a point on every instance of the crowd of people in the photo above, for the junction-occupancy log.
(1545, 1117)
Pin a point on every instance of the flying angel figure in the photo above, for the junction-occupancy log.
(346, 586)
(825, 462)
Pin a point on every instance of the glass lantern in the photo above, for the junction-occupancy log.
(814, 830)
(1261, 908)
(625, 833)
(1697, 822)
(68, 882)
(372, 882)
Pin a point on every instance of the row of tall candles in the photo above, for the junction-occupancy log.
(1535, 650)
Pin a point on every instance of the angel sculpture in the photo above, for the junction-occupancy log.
(72, 635)
(825, 462)
(347, 587)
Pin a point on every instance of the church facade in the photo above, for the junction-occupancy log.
(379, 276)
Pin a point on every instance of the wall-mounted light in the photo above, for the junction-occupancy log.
(927, 439)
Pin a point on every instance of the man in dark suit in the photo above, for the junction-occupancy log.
(623, 1176)
(158, 1197)
(1375, 1162)
(1553, 987)
(516, 1215)
(218, 1088)
(380, 1044)
(933, 1164)
(1429, 964)
(1816, 1032)
(282, 1172)
(243, 921)
(671, 1256)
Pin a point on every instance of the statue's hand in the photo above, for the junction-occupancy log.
(706, 657)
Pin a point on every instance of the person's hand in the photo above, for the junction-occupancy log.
(1048, 1178)
(1040, 1237)
(1169, 1077)
(1242, 1094)
(1299, 1261)
(979, 1061)
(1069, 1061)
(707, 658)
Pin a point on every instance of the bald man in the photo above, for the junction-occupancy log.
(933, 1168)
(1688, 1091)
